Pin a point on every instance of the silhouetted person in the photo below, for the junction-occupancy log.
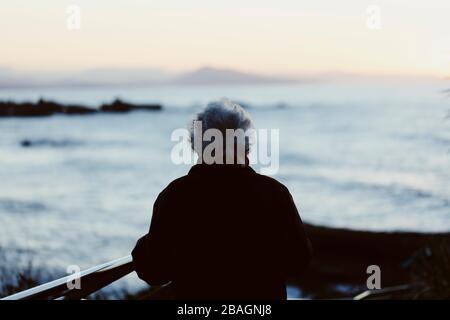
(223, 231)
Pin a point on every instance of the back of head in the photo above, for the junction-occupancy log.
(226, 120)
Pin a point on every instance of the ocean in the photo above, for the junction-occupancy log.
(367, 156)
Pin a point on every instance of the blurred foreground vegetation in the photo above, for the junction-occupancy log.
(427, 270)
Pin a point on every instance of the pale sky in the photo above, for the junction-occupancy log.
(271, 37)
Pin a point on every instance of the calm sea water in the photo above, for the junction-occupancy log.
(362, 156)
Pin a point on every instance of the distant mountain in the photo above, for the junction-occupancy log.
(213, 76)
(10, 78)
(120, 76)
(349, 77)
(92, 77)
(138, 76)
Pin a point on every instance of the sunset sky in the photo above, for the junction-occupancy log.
(273, 37)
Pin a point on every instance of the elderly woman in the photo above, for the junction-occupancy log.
(223, 231)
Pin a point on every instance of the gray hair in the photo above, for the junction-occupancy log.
(221, 115)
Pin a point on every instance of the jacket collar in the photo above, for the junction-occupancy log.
(219, 168)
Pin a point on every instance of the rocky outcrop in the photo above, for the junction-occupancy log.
(120, 106)
(47, 108)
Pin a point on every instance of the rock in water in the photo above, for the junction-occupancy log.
(120, 106)
(47, 108)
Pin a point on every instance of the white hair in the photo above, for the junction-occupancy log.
(221, 115)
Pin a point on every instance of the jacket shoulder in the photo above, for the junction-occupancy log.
(272, 182)
(261, 180)
(174, 185)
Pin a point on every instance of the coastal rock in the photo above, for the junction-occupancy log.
(73, 109)
(49, 143)
(46, 108)
(120, 106)
(65, 109)
(39, 109)
(26, 109)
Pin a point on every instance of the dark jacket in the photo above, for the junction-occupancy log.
(223, 232)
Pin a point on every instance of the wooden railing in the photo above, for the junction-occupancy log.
(385, 293)
(95, 278)
(91, 280)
